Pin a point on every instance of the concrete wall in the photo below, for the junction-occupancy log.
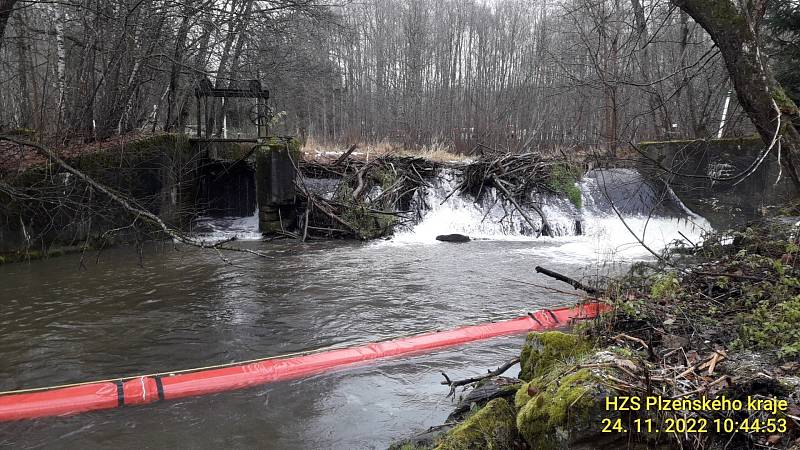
(276, 172)
(159, 173)
(687, 165)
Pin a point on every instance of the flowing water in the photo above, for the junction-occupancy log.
(116, 314)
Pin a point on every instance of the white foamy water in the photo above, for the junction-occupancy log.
(458, 214)
(655, 220)
(213, 229)
(605, 237)
(610, 239)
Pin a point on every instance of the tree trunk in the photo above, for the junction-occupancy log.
(688, 84)
(645, 66)
(25, 105)
(6, 8)
(173, 103)
(758, 92)
(61, 62)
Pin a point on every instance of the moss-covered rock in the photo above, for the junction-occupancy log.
(492, 428)
(564, 409)
(524, 394)
(545, 419)
(542, 351)
(484, 392)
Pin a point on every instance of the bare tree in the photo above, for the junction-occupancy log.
(6, 8)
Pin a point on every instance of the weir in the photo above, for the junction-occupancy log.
(708, 176)
(591, 232)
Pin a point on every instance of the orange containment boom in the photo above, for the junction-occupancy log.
(92, 396)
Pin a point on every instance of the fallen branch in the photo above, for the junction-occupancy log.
(545, 226)
(492, 373)
(572, 282)
(345, 155)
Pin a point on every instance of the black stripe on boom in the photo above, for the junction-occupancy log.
(160, 388)
(120, 394)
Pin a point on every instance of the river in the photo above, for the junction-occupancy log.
(120, 314)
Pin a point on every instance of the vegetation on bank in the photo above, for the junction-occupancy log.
(718, 319)
(563, 179)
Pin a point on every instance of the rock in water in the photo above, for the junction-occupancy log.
(452, 238)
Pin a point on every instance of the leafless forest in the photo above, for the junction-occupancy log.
(507, 73)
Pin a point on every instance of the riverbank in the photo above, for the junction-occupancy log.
(720, 320)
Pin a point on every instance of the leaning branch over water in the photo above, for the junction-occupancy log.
(571, 281)
(126, 203)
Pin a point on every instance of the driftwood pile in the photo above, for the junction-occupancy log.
(515, 177)
(356, 211)
(370, 199)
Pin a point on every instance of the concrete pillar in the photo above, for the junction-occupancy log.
(275, 189)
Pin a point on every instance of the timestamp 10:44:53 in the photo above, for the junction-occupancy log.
(695, 425)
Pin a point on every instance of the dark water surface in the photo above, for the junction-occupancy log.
(181, 309)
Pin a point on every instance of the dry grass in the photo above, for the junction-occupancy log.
(440, 152)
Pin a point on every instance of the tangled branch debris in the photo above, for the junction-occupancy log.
(369, 200)
(473, 380)
(517, 176)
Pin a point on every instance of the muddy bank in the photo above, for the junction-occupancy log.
(717, 322)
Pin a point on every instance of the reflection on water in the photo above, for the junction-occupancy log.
(187, 308)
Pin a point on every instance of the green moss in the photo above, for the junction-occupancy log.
(783, 101)
(23, 132)
(284, 143)
(232, 151)
(492, 427)
(412, 447)
(558, 406)
(542, 351)
(32, 255)
(55, 252)
(522, 396)
(563, 179)
(368, 224)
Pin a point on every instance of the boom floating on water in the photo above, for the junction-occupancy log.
(141, 390)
